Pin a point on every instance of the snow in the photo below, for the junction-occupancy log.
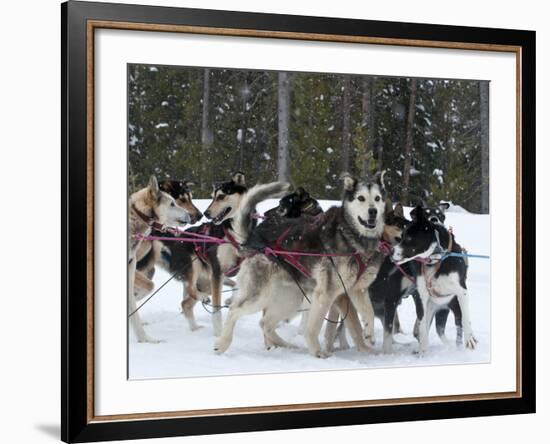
(161, 125)
(190, 354)
(439, 174)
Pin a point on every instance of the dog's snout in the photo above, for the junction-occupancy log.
(207, 214)
(433, 219)
(199, 215)
(372, 212)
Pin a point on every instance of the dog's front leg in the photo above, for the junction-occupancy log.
(463, 300)
(321, 302)
(216, 283)
(331, 329)
(390, 313)
(362, 302)
(135, 319)
(423, 321)
(352, 323)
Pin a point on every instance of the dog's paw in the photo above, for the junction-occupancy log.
(220, 347)
(363, 347)
(149, 340)
(370, 340)
(322, 354)
(471, 342)
(196, 327)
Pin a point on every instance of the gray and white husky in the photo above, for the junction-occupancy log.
(147, 207)
(278, 284)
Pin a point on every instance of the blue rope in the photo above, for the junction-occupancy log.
(478, 256)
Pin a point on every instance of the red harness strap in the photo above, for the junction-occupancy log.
(231, 238)
(290, 259)
(199, 248)
(362, 265)
(232, 241)
(149, 220)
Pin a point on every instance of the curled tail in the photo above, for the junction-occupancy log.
(242, 221)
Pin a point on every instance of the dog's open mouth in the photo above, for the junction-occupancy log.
(369, 223)
(219, 218)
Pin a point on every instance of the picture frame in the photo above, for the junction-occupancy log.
(80, 20)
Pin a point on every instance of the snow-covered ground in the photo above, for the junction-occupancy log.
(184, 353)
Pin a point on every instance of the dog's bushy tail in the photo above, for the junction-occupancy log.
(242, 222)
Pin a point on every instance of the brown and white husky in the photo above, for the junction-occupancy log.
(146, 208)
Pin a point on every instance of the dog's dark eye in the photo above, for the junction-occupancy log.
(361, 199)
(377, 198)
(220, 197)
(172, 204)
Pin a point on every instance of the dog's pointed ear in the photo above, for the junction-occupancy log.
(350, 182)
(398, 211)
(154, 188)
(302, 194)
(166, 186)
(417, 213)
(238, 178)
(389, 206)
(379, 179)
(444, 206)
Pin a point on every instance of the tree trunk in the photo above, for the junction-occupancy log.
(368, 123)
(283, 122)
(380, 161)
(206, 134)
(408, 145)
(484, 133)
(346, 134)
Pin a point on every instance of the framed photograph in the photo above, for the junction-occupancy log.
(276, 221)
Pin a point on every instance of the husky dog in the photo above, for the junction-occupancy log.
(203, 266)
(296, 204)
(149, 251)
(439, 279)
(147, 207)
(277, 283)
(436, 215)
(394, 225)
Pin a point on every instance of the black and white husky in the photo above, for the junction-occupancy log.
(436, 215)
(439, 277)
(277, 283)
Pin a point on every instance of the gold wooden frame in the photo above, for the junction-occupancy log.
(92, 25)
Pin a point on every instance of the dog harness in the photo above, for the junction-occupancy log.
(429, 280)
(151, 221)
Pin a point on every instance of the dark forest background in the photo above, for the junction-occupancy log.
(201, 124)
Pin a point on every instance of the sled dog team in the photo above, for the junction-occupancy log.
(342, 267)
